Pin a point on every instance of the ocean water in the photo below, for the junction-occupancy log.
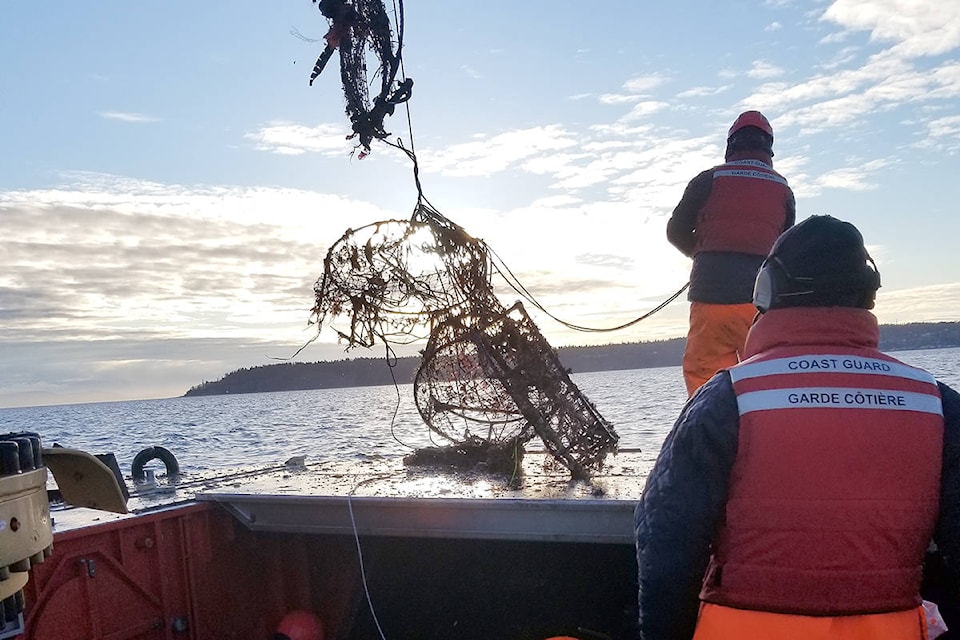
(214, 433)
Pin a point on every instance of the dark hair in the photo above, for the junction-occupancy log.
(749, 139)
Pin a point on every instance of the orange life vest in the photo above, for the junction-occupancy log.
(835, 489)
(746, 209)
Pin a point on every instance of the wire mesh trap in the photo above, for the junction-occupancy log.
(488, 382)
(488, 378)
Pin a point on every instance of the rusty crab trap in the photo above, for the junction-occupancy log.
(488, 382)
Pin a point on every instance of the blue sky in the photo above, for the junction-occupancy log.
(170, 184)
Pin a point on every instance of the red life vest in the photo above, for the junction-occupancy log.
(834, 493)
(746, 210)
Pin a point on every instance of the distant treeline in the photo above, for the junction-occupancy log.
(361, 372)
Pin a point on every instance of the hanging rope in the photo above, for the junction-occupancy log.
(488, 382)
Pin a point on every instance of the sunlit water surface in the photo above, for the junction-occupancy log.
(224, 432)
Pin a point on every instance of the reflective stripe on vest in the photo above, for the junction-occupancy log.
(834, 397)
(836, 363)
(740, 169)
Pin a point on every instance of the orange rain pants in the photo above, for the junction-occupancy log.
(717, 335)
(724, 623)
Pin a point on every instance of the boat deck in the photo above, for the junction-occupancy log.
(382, 497)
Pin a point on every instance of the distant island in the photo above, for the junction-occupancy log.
(361, 372)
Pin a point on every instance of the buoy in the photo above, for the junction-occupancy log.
(154, 453)
(299, 625)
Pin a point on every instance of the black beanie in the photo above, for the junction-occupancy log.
(822, 261)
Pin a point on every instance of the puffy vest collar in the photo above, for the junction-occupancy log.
(821, 326)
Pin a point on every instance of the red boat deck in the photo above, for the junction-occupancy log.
(443, 556)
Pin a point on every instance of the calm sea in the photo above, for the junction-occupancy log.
(225, 432)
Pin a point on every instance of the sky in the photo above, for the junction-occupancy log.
(170, 183)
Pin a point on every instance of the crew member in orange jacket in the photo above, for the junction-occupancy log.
(798, 492)
(727, 221)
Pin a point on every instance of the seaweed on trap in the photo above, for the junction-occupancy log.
(488, 382)
(362, 28)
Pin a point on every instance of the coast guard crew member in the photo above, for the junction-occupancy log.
(798, 492)
(727, 220)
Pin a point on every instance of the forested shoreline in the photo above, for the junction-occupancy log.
(360, 372)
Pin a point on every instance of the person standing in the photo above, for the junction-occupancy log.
(798, 492)
(727, 220)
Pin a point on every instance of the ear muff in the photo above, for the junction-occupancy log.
(763, 288)
(774, 283)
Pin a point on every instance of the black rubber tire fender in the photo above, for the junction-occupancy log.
(154, 453)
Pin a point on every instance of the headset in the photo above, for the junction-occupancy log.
(775, 282)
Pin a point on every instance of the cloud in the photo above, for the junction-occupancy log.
(643, 85)
(617, 98)
(189, 262)
(928, 303)
(287, 138)
(896, 69)
(846, 96)
(763, 70)
(135, 269)
(112, 288)
(943, 133)
(701, 92)
(636, 89)
(137, 118)
(605, 260)
(915, 28)
(493, 154)
(115, 288)
(643, 110)
(470, 72)
(847, 178)
(841, 98)
(100, 273)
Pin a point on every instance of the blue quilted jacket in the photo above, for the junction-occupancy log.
(685, 496)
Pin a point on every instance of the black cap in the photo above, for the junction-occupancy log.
(820, 262)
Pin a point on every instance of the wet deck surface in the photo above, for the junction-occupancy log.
(383, 496)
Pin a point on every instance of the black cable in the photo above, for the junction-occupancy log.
(509, 277)
(514, 283)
